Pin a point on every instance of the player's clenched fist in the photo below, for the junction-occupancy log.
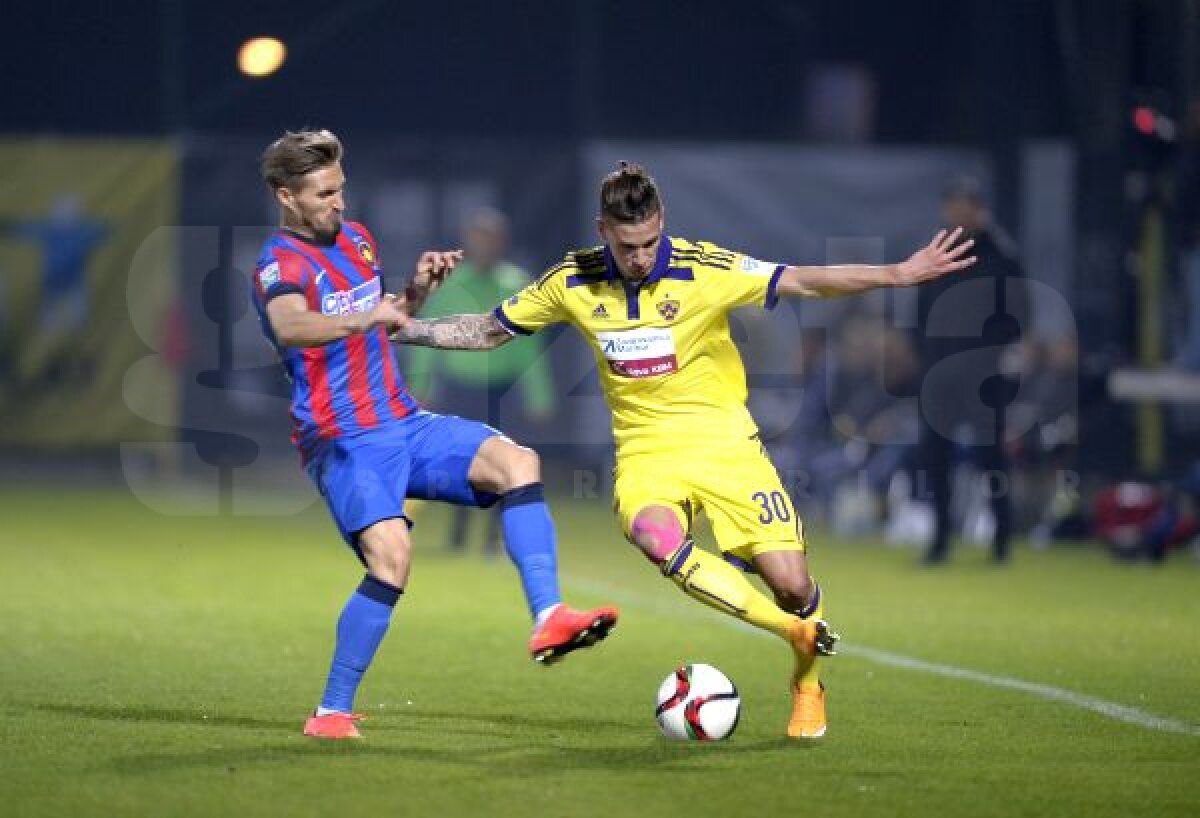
(434, 265)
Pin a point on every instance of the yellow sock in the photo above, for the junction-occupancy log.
(719, 585)
(806, 674)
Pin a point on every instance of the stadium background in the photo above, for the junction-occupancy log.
(789, 130)
(131, 370)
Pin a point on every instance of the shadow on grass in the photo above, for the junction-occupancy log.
(520, 721)
(502, 744)
(503, 759)
(162, 715)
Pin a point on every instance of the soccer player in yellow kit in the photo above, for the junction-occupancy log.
(654, 309)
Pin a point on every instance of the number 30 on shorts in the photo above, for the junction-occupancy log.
(774, 507)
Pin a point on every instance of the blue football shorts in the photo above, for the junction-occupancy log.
(365, 477)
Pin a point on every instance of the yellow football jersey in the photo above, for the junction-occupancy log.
(670, 371)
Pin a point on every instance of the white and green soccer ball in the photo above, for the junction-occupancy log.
(697, 702)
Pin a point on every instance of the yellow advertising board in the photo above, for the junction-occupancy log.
(76, 217)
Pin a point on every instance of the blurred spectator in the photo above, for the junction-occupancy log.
(851, 433)
(1046, 453)
(66, 237)
(1051, 406)
(966, 321)
(797, 427)
(1187, 211)
(462, 382)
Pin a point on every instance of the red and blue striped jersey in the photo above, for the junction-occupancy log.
(346, 386)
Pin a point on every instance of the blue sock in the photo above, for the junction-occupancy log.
(529, 535)
(360, 629)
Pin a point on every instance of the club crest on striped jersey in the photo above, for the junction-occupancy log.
(668, 309)
(364, 249)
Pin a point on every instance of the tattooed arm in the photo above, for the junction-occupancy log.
(483, 331)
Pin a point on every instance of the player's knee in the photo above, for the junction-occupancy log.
(386, 549)
(794, 591)
(519, 466)
(656, 530)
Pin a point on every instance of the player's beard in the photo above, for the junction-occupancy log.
(326, 232)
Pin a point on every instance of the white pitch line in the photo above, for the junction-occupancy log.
(1112, 710)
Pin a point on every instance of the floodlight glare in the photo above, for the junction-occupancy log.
(261, 56)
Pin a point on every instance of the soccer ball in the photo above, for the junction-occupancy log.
(697, 703)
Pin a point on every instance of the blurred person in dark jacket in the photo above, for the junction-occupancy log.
(966, 322)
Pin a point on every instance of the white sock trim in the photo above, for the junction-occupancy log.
(544, 614)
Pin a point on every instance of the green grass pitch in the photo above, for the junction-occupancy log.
(163, 665)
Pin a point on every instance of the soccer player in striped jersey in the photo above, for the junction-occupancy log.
(654, 309)
(366, 444)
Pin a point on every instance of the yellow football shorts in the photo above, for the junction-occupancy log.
(737, 488)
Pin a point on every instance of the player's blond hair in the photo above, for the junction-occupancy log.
(629, 195)
(289, 158)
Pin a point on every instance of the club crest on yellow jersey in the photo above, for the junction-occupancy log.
(668, 309)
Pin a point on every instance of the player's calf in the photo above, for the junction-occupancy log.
(786, 573)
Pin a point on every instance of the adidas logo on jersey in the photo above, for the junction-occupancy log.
(600, 312)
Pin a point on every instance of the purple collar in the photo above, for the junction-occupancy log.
(661, 261)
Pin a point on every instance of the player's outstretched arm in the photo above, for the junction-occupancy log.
(432, 268)
(945, 254)
(478, 331)
(295, 325)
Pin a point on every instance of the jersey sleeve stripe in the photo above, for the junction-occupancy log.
(773, 289)
(557, 268)
(294, 267)
(586, 278)
(680, 274)
(693, 257)
(508, 324)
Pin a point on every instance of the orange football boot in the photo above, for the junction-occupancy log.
(810, 638)
(808, 712)
(333, 725)
(567, 629)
